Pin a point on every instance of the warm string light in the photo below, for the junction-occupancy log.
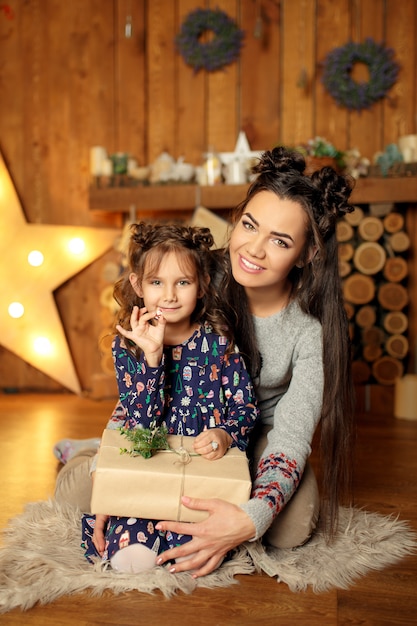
(43, 346)
(35, 258)
(16, 310)
(76, 245)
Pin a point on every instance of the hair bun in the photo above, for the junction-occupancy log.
(280, 160)
(141, 232)
(146, 235)
(335, 190)
(201, 237)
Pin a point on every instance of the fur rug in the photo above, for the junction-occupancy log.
(41, 559)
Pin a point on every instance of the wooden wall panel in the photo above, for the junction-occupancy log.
(161, 86)
(222, 96)
(130, 80)
(70, 79)
(367, 20)
(55, 69)
(102, 127)
(260, 74)
(12, 88)
(400, 109)
(333, 29)
(298, 71)
(33, 186)
(191, 129)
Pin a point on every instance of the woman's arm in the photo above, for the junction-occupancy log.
(296, 414)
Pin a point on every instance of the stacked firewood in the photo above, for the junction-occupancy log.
(373, 251)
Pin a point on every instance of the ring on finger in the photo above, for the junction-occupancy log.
(214, 445)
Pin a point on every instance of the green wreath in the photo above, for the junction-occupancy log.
(337, 75)
(222, 50)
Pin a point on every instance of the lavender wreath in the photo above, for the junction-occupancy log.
(222, 50)
(337, 79)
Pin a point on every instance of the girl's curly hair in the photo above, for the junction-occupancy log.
(148, 245)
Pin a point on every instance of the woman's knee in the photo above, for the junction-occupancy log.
(74, 484)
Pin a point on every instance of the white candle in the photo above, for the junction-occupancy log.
(98, 155)
(131, 164)
(107, 167)
(408, 148)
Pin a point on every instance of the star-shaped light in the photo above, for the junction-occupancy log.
(35, 260)
(242, 151)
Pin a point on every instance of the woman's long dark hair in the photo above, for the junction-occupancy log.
(317, 288)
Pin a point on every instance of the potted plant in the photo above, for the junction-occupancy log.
(318, 152)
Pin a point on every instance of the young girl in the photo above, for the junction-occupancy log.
(176, 364)
(283, 294)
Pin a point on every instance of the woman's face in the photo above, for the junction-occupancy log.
(267, 242)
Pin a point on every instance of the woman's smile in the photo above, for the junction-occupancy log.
(249, 266)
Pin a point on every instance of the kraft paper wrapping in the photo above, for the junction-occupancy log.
(152, 488)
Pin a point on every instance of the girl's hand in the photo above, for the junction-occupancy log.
(205, 443)
(98, 534)
(226, 527)
(148, 337)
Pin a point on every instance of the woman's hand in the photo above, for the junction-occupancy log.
(203, 443)
(98, 534)
(226, 527)
(148, 337)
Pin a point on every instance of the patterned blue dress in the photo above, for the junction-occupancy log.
(196, 386)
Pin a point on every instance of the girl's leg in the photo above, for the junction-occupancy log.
(73, 484)
(296, 523)
(67, 449)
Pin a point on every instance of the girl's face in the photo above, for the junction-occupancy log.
(267, 242)
(172, 289)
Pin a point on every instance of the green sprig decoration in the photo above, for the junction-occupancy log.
(145, 440)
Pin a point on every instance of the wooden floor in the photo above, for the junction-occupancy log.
(386, 482)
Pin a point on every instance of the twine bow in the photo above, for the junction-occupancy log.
(184, 456)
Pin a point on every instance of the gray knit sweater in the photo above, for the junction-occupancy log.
(289, 391)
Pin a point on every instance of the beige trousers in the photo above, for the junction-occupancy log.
(74, 484)
(293, 526)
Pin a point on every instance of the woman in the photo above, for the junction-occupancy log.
(283, 296)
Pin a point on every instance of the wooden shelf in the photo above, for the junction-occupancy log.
(188, 197)
(377, 190)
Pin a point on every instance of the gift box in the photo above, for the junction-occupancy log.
(131, 486)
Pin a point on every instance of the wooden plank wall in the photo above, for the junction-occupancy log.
(70, 79)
